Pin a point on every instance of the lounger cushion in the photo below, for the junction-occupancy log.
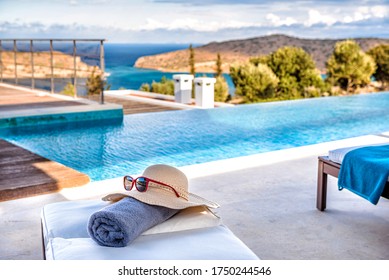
(69, 219)
(198, 244)
(337, 155)
(194, 233)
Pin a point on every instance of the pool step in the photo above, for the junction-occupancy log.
(24, 174)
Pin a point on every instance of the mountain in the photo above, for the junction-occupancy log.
(236, 51)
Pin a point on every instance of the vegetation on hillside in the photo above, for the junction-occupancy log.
(240, 51)
(290, 73)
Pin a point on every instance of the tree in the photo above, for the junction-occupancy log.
(259, 59)
(192, 69)
(349, 67)
(95, 83)
(254, 82)
(219, 63)
(296, 71)
(380, 54)
(221, 89)
(221, 86)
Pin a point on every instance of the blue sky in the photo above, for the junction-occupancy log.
(192, 21)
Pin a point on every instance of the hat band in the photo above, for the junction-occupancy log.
(171, 189)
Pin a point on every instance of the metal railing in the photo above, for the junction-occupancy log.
(72, 67)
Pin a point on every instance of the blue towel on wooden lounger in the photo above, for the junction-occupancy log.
(365, 171)
(118, 224)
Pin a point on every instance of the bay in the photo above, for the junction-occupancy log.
(120, 60)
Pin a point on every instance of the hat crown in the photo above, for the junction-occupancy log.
(157, 194)
(168, 175)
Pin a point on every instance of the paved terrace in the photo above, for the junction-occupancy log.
(268, 200)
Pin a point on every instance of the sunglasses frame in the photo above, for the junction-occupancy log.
(147, 184)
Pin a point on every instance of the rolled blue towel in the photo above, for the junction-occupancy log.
(118, 224)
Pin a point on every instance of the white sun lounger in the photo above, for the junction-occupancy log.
(193, 234)
(330, 165)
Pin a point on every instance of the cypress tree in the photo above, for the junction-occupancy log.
(219, 71)
(192, 69)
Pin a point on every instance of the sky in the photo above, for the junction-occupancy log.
(191, 21)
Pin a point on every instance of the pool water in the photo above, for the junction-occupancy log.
(106, 150)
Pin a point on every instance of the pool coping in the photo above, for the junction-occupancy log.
(158, 99)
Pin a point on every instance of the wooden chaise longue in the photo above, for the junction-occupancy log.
(327, 167)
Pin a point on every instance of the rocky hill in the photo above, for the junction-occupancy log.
(63, 65)
(241, 50)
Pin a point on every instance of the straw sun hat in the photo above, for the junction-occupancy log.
(158, 194)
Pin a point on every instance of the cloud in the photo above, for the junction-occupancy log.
(180, 33)
(361, 13)
(211, 2)
(315, 17)
(188, 21)
(311, 3)
(277, 21)
(191, 24)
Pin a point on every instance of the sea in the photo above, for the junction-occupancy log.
(120, 60)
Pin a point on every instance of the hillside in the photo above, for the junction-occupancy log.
(241, 50)
(63, 65)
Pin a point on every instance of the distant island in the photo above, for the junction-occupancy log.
(241, 50)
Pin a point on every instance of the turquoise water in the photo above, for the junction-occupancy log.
(120, 60)
(107, 150)
(119, 64)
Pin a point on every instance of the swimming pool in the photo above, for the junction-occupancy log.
(107, 150)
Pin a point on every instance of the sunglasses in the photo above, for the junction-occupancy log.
(142, 184)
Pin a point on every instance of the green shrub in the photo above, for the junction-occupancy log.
(221, 89)
(165, 86)
(95, 83)
(349, 67)
(296, 72)
(254, 83)
(145, 87)
(69, 90)
(380, 54)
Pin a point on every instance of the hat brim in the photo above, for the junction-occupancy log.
(160, 198)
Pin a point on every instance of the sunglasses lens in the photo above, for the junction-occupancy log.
(141, 184)
(128, 182)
